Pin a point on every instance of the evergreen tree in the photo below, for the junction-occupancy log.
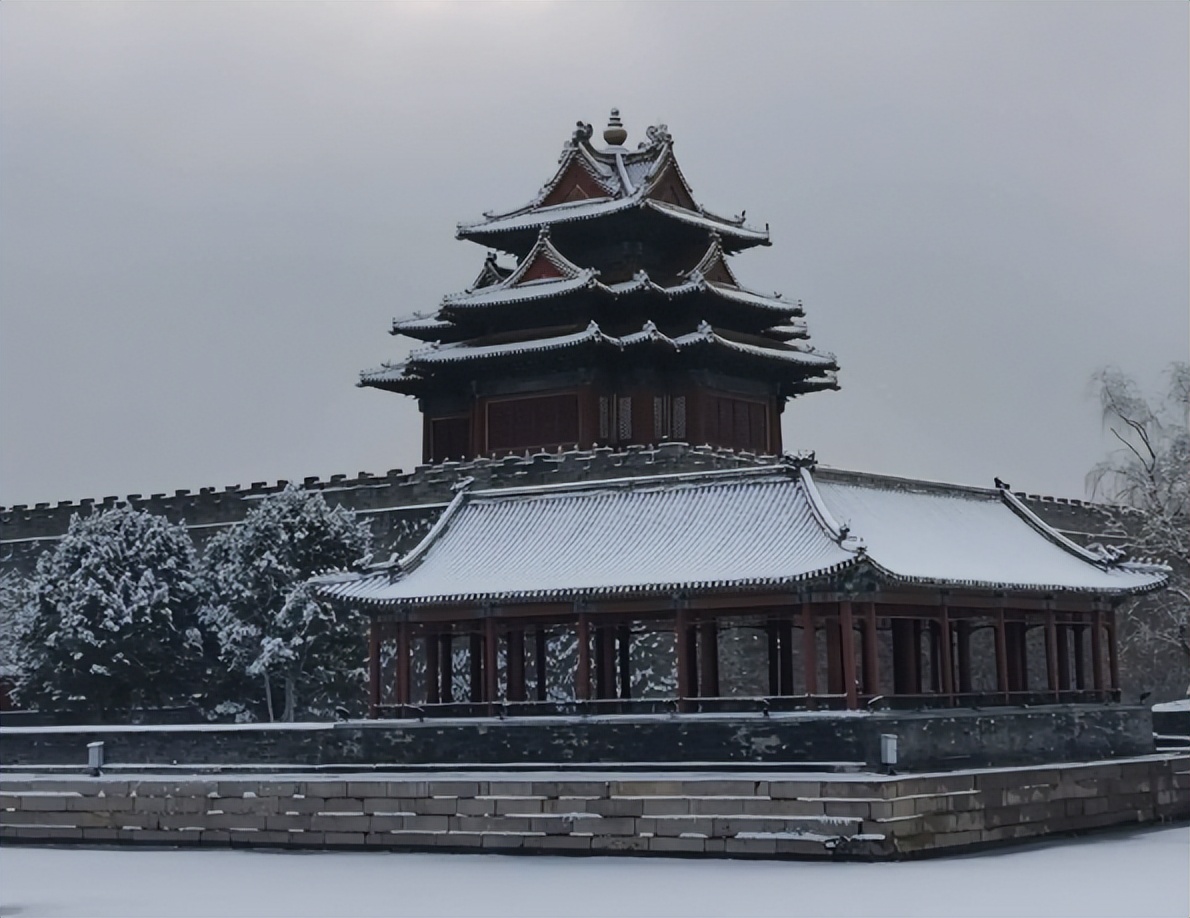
(109, 618)
(271, 630)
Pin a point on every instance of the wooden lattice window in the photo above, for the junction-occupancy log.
(533, 422)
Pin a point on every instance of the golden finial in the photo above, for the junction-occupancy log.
(615, 135)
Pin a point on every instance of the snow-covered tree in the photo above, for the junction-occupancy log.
(108, 621)
(1148, 476)
(272, 631)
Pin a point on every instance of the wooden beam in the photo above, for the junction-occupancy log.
(847, 639)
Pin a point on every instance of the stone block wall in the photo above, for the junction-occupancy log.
(942, 739)
(726, 815)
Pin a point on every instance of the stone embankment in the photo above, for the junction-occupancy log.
(770, 815)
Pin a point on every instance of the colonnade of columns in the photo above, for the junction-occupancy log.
(836, 654)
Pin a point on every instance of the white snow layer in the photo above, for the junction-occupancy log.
(1130, 873)
(733, 529)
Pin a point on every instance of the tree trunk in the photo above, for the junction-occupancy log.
(290, 698)
(268, 696)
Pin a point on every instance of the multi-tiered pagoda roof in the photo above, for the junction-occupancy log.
(619, 305)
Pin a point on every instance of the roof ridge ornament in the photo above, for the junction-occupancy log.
(657, 134)
(614, 134)
(582, 134)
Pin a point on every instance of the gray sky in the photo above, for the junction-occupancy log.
(209, 213)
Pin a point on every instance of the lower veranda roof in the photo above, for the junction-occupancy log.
(740, 529)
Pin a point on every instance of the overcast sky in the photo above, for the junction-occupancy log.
(209, 214)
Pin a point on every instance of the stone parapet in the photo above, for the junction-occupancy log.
(400, 502)
(938, 739)
(769, 815)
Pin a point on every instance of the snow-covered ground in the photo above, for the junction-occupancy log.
(1138, 873)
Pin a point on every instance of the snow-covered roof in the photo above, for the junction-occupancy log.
(782, 353)
(739, 529)
(628, 177)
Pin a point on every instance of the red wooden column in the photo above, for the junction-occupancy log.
(1097, 652)
(1001, 654)
(476, 659)
(1051, 653)
(582, 676)
(774, 641)
(516, 664)
(446, 656)
(963, 638)
(847, 639)
(834, 655)
(404, 650)
(871, 651)
(605, 661)
(947, 658)
(1113, 651)
(809, 653)
(374, 669)
(906, 635)
(490, 671)
(431, 651)
(1064, 635)
(785, 655)
(1078, 634)
(540, 661)
(682, 650)
(624, 653)
(709, 661)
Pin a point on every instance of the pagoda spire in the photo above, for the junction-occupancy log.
(614, 134)
(619, 321)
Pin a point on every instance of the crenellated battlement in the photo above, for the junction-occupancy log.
(394, 496)
(402, 505)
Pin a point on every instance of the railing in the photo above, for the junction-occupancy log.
(738, 704)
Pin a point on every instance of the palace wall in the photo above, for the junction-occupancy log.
(401, 506)
(592, 812)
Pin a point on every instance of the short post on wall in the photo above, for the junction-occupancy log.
(888, 752)
(95, 759)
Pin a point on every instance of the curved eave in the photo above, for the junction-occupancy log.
(996, 586)
(348, 591)
(744, 236)
(735, 236)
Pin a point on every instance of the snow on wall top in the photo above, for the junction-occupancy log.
(736, 529)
